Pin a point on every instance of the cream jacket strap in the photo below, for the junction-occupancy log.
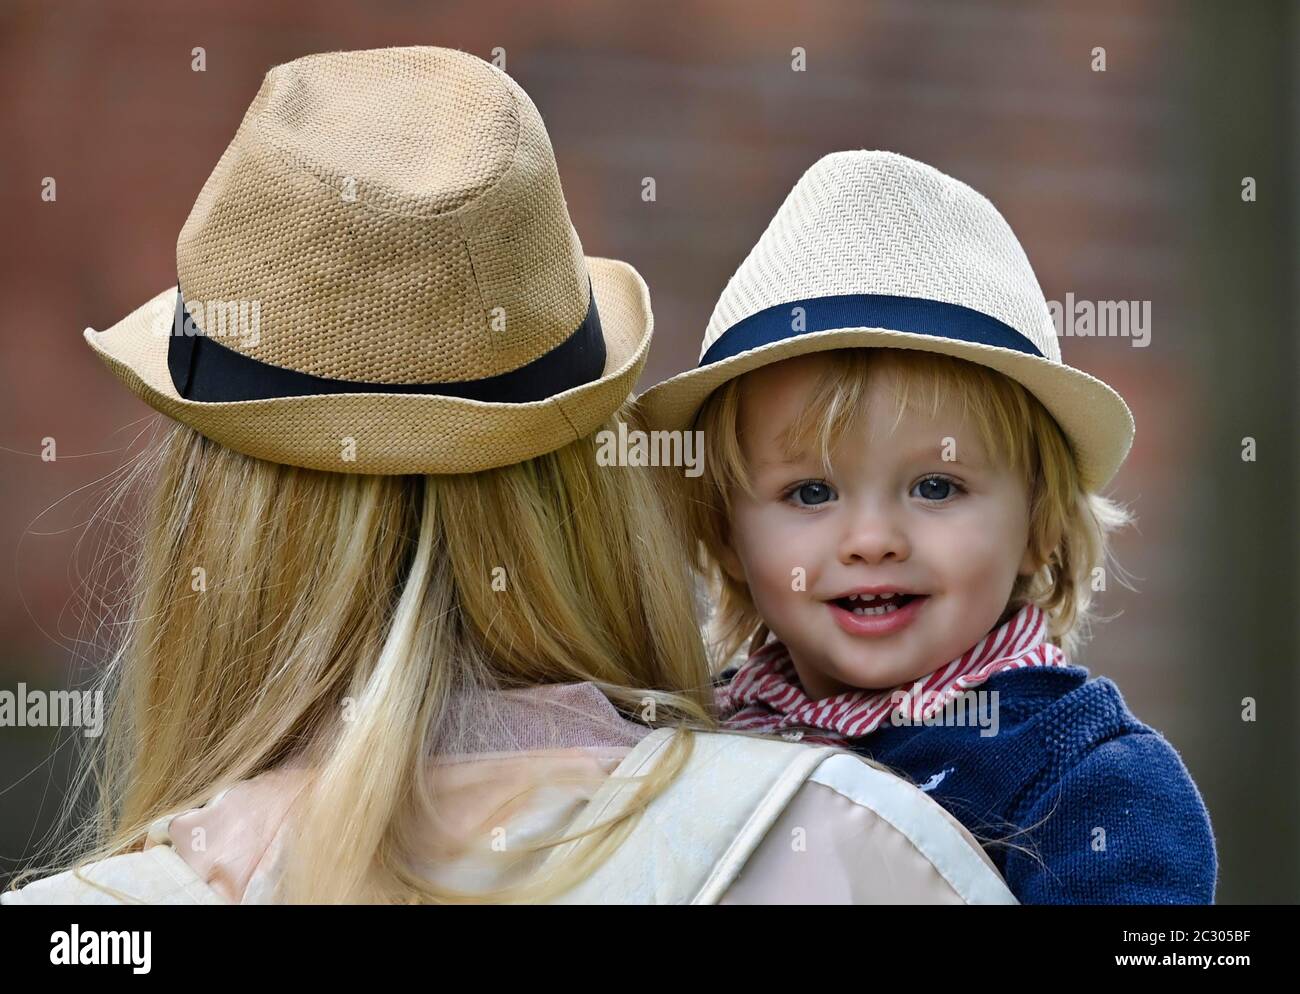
(156, 875)
(761, 821)
(695, 836)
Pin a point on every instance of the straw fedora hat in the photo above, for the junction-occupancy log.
(380, 276)
(876, 249)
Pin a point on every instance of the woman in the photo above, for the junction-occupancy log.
(392, 627)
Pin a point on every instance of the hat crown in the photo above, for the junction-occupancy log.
(876, 222)
(397, 217)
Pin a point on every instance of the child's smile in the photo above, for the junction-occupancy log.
(894, 563)
(875, 611)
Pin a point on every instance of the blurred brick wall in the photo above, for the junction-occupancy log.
(1091, 170)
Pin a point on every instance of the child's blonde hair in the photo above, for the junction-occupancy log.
(267, 600)
(1069, 529)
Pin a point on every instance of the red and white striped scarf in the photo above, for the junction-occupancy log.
(765, 694)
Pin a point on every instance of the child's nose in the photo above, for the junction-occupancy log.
(873, 536)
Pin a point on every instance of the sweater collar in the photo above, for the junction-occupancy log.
(765, 694)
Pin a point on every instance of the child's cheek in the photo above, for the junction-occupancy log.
(778, 561)
(976, 556)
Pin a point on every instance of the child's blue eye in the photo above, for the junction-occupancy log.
(937, 488)
(811, 493)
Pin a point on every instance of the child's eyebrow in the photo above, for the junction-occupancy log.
(917, 455)
(793, 460)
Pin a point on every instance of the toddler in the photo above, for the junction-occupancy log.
(900, 512)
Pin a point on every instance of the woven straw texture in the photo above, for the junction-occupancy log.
(394, 433)
(880, 223)
(397, 217)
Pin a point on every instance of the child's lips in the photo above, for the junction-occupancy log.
(877, 624)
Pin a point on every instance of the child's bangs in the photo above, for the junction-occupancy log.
(920, 382)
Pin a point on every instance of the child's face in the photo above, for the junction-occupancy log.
(894, 514)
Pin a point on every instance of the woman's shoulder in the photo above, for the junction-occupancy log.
(154, 875)
(758, 820)
(749, 819)
(227, 850)
(202, 855)
(853, 833)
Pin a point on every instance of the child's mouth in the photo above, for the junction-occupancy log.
(878, 616)
(877, 605)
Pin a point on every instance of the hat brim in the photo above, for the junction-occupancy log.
(1095, 419)
(393, 433)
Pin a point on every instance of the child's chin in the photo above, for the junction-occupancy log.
(879, 674)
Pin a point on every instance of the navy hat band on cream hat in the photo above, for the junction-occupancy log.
(914, 315)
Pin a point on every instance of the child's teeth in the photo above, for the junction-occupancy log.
(886, 609)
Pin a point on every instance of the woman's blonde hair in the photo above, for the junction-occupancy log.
(277, 614)
(1069, 528)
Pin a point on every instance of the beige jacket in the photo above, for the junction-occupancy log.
(748, 822)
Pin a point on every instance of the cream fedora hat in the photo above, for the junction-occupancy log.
(876, 249)
(380, 276)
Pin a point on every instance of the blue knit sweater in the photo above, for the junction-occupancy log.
(1105, 802)
(1102, 802)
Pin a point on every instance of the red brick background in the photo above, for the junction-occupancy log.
(1121, 185)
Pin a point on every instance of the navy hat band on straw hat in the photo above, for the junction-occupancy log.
(915, 315)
